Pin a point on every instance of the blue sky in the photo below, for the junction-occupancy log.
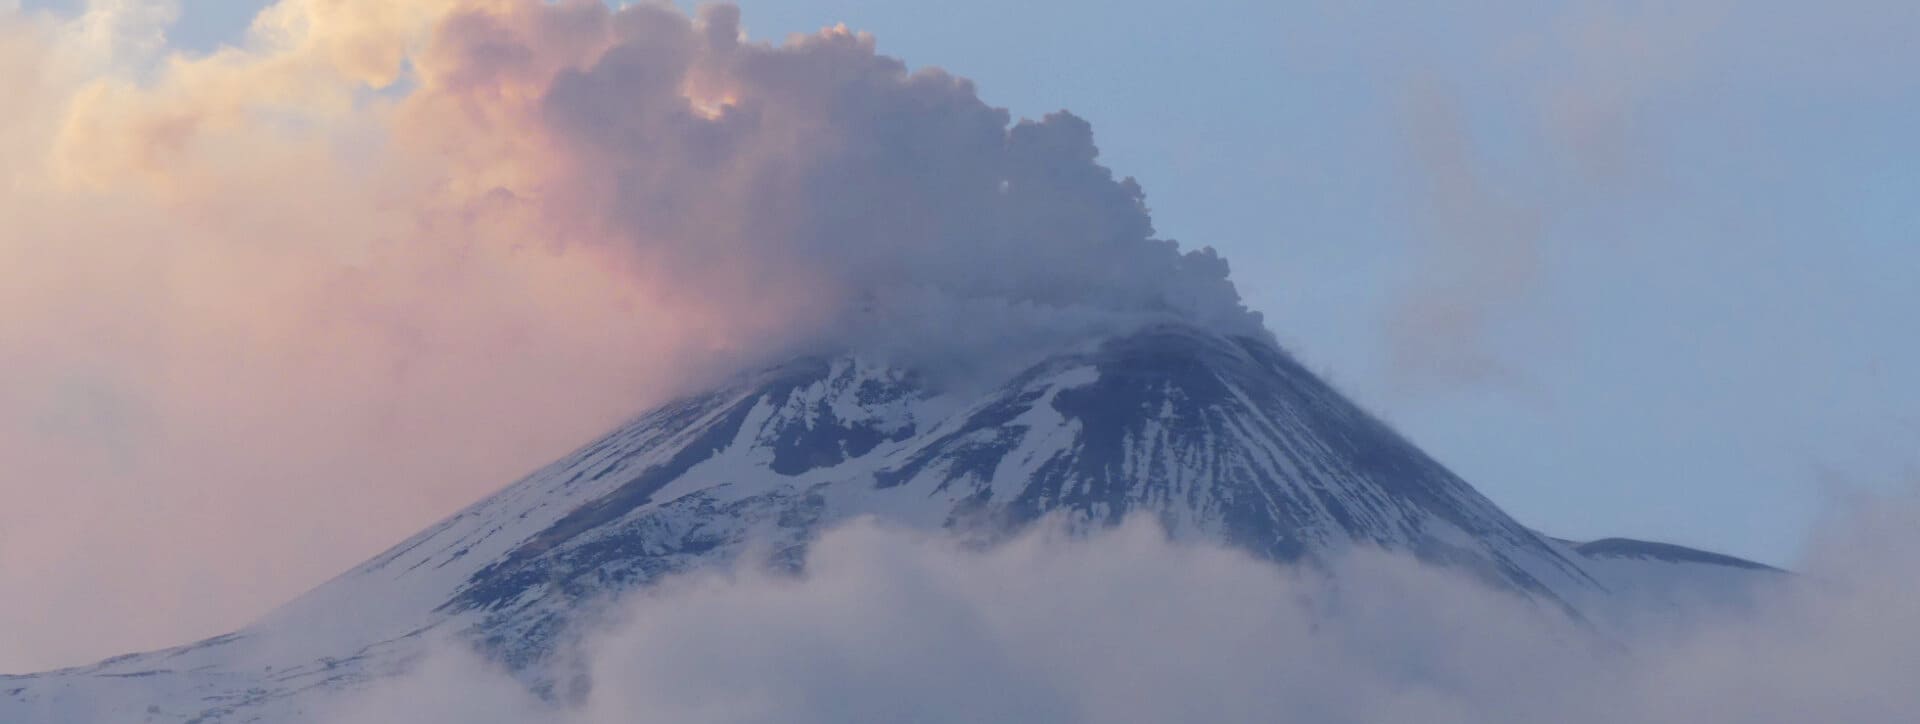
(1630, 270)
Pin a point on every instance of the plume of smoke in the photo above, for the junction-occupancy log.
(267, 309)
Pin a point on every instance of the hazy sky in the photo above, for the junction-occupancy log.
(1629, 270)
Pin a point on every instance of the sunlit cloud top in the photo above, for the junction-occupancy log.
(377, 258)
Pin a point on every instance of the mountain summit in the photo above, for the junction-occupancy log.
(1221, 439)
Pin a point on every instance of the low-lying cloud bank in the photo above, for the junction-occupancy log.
(266, 310)
(1127, 627)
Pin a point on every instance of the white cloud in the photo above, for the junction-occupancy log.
(1126, 627)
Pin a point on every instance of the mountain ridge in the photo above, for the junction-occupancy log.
(1224, 440)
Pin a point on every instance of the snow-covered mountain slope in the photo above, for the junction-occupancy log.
(1221, 439)
(1663, 586)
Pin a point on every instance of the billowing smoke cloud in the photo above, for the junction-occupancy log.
(1126, 627)
(266, 310)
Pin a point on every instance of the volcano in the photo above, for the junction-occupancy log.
(1221, 439)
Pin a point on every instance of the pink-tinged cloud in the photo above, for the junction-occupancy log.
(267, 310)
